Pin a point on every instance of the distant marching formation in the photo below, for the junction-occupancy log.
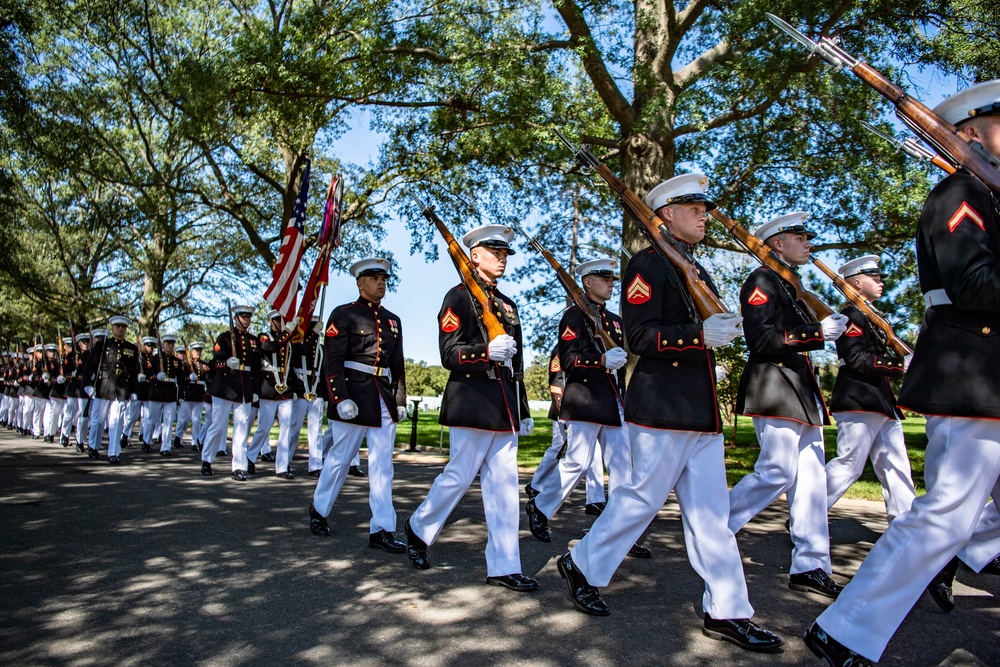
(658, 433)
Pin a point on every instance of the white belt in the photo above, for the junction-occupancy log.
(377, 371)
(936, 297)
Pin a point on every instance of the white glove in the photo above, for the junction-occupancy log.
(89, 391)
(833, 326)
(133, 397)
(193, 377)
(401, 412)
(906, 362)
(502, 348)
(61, 379)
(615, 358)
(161, 377)
(527, 426)
(31, 378)
(347, 409)
(233, 362)
(318, 327)
(720, 373)
(46, 377)
(255, 399)
(291, 325)
(142, 377)
(721, 329)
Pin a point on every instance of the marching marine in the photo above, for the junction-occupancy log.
(110, 379)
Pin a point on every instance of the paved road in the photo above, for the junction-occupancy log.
(151, 564)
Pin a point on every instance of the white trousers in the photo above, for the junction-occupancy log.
(861, 435)
(69, 417)
(266, 415)
(133, 413)
(692, 464)
(82, 420)
(40, 406)
(290, 420)
(216, 438)
(189, 413)
(53, 416)
(148, 426)
(5, 408)
(493, 454)
(27, 413)
(315, 410)
(961, 470)
(110, 413)
(545, 472)
(791, 461)
(207, 424)
(582, 439)
(168, 412)
(326, 441)
(347, 439)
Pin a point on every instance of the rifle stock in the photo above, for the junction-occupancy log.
(814, 307)
(706, 302)
(467, 271)
(895, 343)
(572, 290)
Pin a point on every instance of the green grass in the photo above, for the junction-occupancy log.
(739, 458)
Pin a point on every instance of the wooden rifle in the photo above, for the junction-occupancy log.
(572, 290)
(938, 133)
(706, 302)
(467, 271)
(874, 316)
(814, 309)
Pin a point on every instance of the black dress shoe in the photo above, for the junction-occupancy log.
(93, 453)
(206, 469)
(595, 509)
(743, 632)
(251, 468)
(269, 457)
(993, 567)
(284, 475)
(318, 524)
(538, 524)
(316, 473)
(166, 452)
(64, 441)
(515, 582)
(176, 442)
(416, 549)
(114, 460)
(585, 597)
(48, 439)
(829, 649)
(386, 541)
(530, 490)
(124, 441)
(195, 447)
(79, 448)
(356, 471)
(815, 581)
(146, 448)
(639, 551)
(239, 475)
(940, 586)
(223, 453)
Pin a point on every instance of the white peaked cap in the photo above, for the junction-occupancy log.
(371, 266)
(982, 99)
(867, 264)
(790, 222)
(605, 266)
(490, 236)
(683, 189)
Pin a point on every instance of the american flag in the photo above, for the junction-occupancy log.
(284, 287)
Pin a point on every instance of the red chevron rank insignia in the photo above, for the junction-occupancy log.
(555, 366)
(638, 291)
(449, 321)
(757, 298)
(853, 331)
(965, 211)
(568, 334)
(332, 330)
